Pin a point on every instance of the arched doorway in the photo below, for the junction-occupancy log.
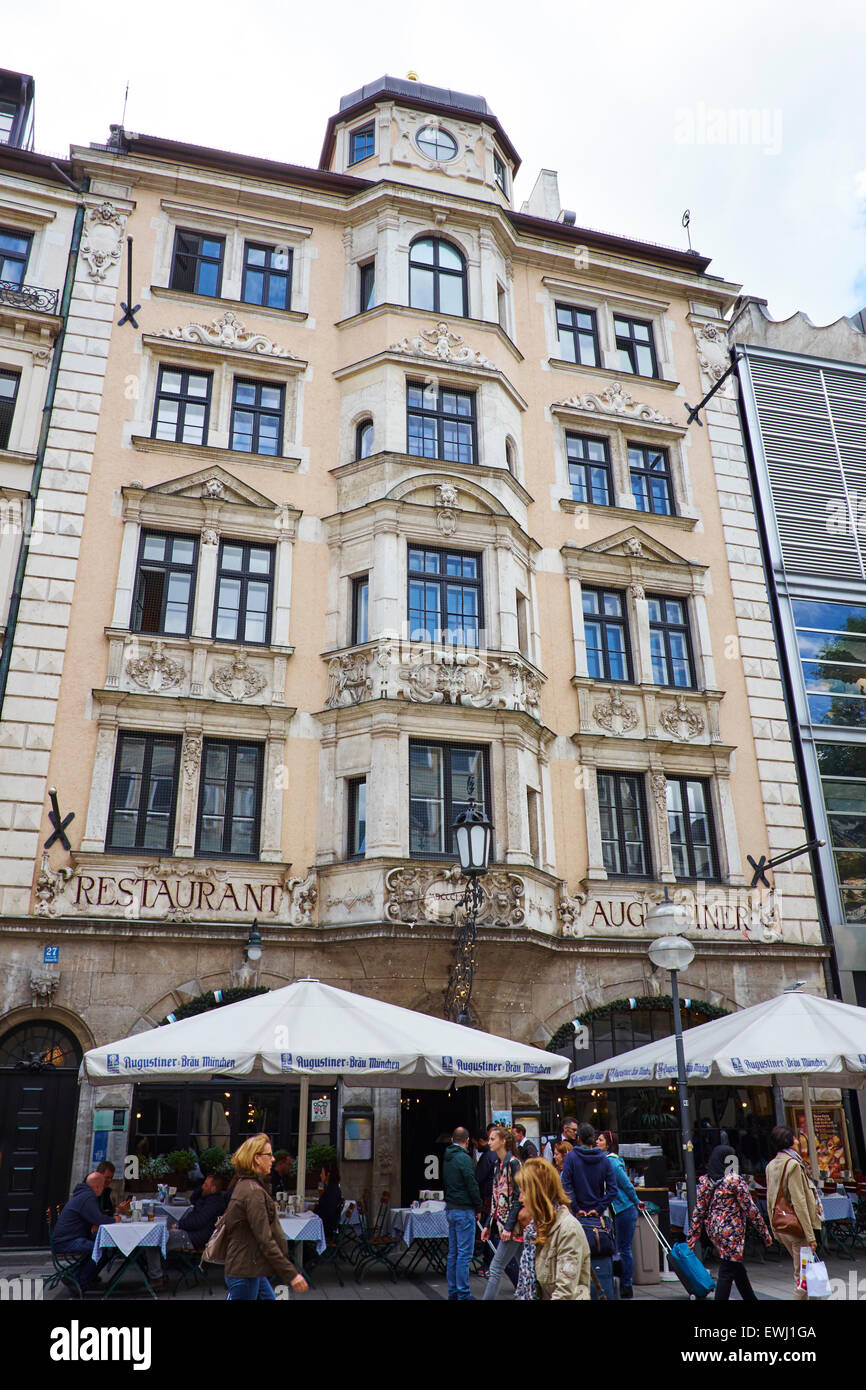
(39, 1063)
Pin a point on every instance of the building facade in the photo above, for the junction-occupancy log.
(385, 485)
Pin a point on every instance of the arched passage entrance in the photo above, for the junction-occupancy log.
(39, 1063)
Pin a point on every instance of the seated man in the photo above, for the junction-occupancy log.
(281, 1173)
(195, 1228)
(76, 1226)
(106, 1201)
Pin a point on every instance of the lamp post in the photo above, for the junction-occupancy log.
(672, 952)
(472, 832)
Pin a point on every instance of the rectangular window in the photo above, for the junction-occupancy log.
(635, 346)
(670, 645)
(523, 625)
(500, 307)
(624, 844)
(589, 469)
(360, 609)
(14, 255)
(445, 596)
(532, 813)
(164, 584)
(8, 395)
(832, 642)
(267, 276)
(8, 112)
(843, 781)
(362, 142)
(651, 479)
(438, 791)
(143, 792)
(257, 417)
(499, 173)
(182, 406)
(197, 264)
(441, 423)
(691, 828)
(245, 578)
(578, 335)
(367, 273)
(230, 794)
(357, 839)
(605, 625)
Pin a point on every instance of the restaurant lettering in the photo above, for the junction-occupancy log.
(176, 895)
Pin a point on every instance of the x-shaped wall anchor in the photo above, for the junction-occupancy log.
(58, 824)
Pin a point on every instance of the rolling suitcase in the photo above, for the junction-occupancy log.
(695, 1279)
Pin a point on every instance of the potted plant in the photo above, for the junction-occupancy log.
(151, 1172)
(178, 1165)
(215, 1161)
(317, 1155)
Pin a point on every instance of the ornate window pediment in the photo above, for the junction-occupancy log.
(633, 557)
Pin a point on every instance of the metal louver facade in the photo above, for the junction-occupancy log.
(810, 418)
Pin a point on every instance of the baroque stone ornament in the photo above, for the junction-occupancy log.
(615, 715)
(100, 245)
(349, 680)
(712, 350)
(238, 680)
(448, 500)
(303, 894)
(155, 671)
(637, 592)
(214, 487)
(192, 745)
(615, 400)
(226, 332)
(43, 987)
(50, 884)
(569, 910)
(634, 546)
(415, 895)
(447, 495)
(442, 344)
(681, 722)
(210, 535)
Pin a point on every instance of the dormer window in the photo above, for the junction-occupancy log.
(436, 144)
(362, 142)
(8, 112)
(437, 277)
(499, 173)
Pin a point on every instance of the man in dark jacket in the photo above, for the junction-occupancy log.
(525, 1147)
(195, 1228)
(462, 1204)
(74, 1232)
(590, 1184)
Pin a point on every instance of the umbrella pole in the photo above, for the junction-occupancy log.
(302, 1139)
(810, 1127)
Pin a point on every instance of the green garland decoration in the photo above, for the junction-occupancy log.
(203, 1003)
(655, 1002)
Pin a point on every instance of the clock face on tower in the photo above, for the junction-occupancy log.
(436, 144)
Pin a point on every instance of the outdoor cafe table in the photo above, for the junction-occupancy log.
(427, 1230)
(679, 1213)
(129, 1237)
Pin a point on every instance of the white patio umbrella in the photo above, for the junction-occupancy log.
(309, 1029)
(784, 1041)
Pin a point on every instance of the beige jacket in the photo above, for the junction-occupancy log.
(562, 1262)
(798, 1190)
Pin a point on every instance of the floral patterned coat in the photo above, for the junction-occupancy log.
(722, 1210)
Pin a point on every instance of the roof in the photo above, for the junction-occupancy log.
(28, 164)
(441, 101)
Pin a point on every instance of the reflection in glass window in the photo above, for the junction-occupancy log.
(831, 638)
(437, 277)
(691, 830)
(439, 790)
(843, 779)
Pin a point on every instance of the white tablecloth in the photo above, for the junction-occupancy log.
(305, 1227)
(418, 1225)
(127, 1236)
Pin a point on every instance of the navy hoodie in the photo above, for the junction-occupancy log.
(589, 1180)
(80, 1213)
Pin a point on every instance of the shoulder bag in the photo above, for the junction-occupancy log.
(785, 1221)
(597, 1230)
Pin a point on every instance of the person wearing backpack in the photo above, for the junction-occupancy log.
(590, 1184)
(723, 1208)
(503, 1214)
(793, 1205)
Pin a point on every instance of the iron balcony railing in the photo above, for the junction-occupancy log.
(28, 297)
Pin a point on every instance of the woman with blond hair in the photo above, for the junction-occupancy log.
(255, 1245)
(561, 1248)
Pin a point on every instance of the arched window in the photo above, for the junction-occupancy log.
(39, 1047)
(363, 439)
(437, 277)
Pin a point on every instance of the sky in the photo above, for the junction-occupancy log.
(751, 115)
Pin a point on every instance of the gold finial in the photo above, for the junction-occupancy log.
(411, 75)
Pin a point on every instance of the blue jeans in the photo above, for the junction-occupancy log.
(461, 1243)
(506, 1257)
(604, 1269)
(625, 1224)
(251, 1289)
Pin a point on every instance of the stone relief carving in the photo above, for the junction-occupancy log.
(43, 987)
(227, 332)
(712, 351)
(569, 907)
(352, 900)
(100, 246)
(349, 680)
(681, 722)
(303, 894)
(238, 680)
(615, 715)
(155, 671)
(462, 678)
(210, 535)
(50, 884)
(443, 345)
(634, 546)
(447, 498)
(423, 895)
(192, 745)
(447, 495)
(214, 487)
(638, 591)
(615, 400)
(447, 522)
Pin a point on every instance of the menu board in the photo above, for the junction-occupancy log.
(831, 1140)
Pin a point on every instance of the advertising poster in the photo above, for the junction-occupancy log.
(831, 1140)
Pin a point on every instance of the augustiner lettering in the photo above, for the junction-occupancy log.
(705, 916)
